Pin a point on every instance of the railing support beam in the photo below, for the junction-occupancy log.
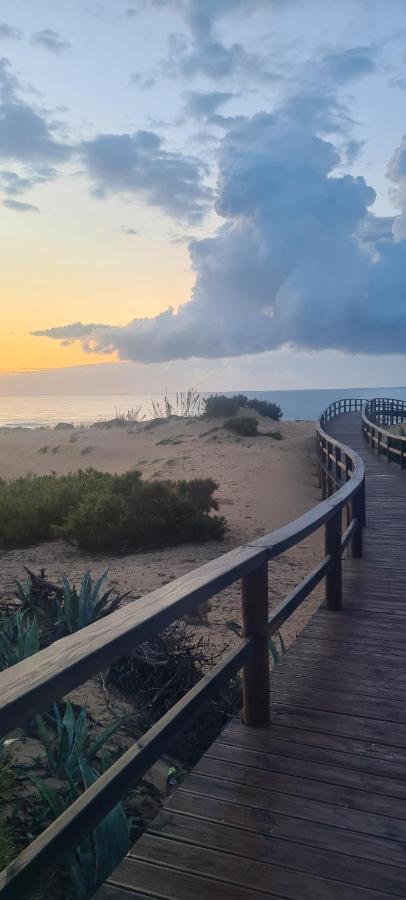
(255, 679)
(333, 549)
(358, 513)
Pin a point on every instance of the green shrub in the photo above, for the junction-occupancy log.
(100, 511)
(264, 408)
(132, 514)
(31, 506)
(246, 426)
(219, 406)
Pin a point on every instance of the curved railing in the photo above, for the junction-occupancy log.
(385, 411)
(30, 686)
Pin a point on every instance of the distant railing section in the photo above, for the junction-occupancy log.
(30, 686)
(384, 411)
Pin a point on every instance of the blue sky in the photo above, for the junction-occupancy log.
(201, 187)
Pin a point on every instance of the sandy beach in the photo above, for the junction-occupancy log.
(263, 483)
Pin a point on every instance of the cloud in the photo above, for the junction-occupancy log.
(205, 53)
(343, 66)
(144, 83)
(20, 206)
(13, 183)
(205, 104)
(25, 133)
(51, 40)
(397, 174)
(300, 260)
(138, 164)
(126, 229)
(9, 33)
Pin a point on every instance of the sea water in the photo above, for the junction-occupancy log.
(36, 411)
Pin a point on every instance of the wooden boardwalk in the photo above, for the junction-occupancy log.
(313, 808)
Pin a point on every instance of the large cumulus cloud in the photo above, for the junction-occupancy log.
(300, 259)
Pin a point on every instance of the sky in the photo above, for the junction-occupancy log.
(202, 192)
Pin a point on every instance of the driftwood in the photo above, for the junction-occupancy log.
(42, 584)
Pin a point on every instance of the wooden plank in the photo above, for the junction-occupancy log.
(166, 883)
(268, 879)
(352, 755)
(112, 892)
(323, 771)
(312, 787)
(290, 828)
(266, 848)
(339, 724)
(305, 808)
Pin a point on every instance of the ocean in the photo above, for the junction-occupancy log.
(33, 412)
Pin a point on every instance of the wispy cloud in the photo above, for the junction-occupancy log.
(50, 40)
(143, 82)
(10, 33)
(126, 229)
(19, 205)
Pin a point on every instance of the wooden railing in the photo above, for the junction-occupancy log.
(33, 684)
(384, 411)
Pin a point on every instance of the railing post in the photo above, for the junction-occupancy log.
(323, 484)
(255, 679)
(329, 469)
(358, 513)
(333, 549)
(338, 460)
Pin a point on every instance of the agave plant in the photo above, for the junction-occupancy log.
(96, 857)
(72, 743)
(19, 639)
(276, 652)
(78, 609)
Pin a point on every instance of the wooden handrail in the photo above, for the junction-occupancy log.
(33, 684)
(391, 411)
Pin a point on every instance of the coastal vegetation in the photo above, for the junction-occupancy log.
(221, 406)
(245, 426)
(102, 511)
(67, 748)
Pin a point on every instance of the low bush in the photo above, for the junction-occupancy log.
(246, 426)
(100, 511)
(218, 406)
(266, 409)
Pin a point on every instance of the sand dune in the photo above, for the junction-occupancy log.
(263, 483)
